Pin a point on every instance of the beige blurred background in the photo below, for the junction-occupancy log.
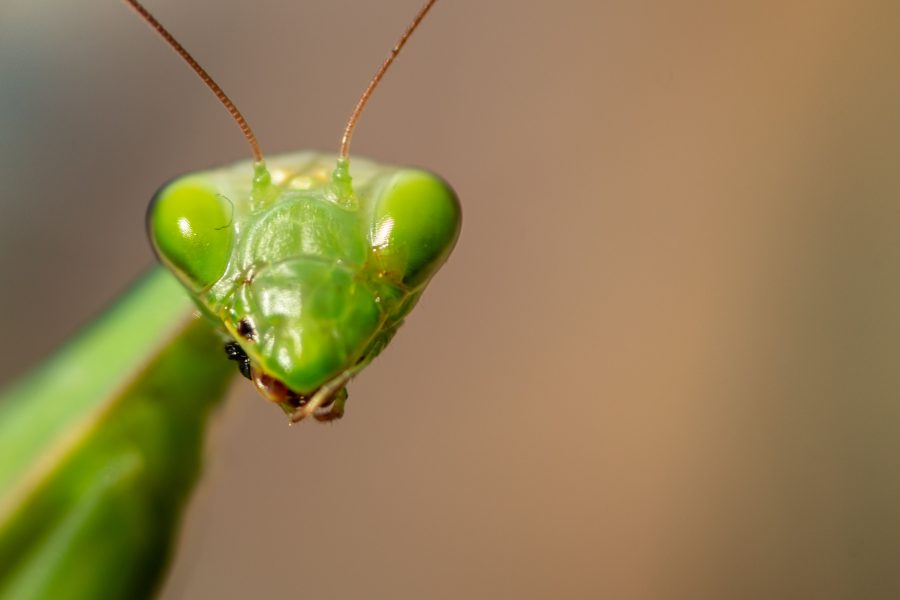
(664, 361)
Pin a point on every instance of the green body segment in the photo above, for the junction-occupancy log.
(320, 273)
(100, 446)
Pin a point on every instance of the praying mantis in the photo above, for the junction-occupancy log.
(302, 267)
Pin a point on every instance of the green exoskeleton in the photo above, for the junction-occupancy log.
(309, 275)
(302, 267)
(310, 271)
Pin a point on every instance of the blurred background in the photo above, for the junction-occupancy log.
(664, 360)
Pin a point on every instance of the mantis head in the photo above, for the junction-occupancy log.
(312, 281)
(310, 278)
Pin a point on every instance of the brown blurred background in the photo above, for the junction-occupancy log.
(664, 361)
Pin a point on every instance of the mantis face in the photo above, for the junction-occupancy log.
(310, 279)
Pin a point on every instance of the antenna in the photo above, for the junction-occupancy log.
(201, 72)
(364, 99)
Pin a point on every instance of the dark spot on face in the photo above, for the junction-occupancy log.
(234, 352)
(245, 329)
(295, 400)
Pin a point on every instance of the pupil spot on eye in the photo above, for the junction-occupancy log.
(245, 329)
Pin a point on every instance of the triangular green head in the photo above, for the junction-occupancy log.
(310, 275)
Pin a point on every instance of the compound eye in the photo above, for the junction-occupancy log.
(191, 230)
(415, 225)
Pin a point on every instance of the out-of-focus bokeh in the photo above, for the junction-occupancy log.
(664, 360)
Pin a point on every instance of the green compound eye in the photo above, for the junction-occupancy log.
(190, 226)
(415, 225)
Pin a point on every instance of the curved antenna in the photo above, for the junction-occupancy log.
(351, 124)
(201, 72)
